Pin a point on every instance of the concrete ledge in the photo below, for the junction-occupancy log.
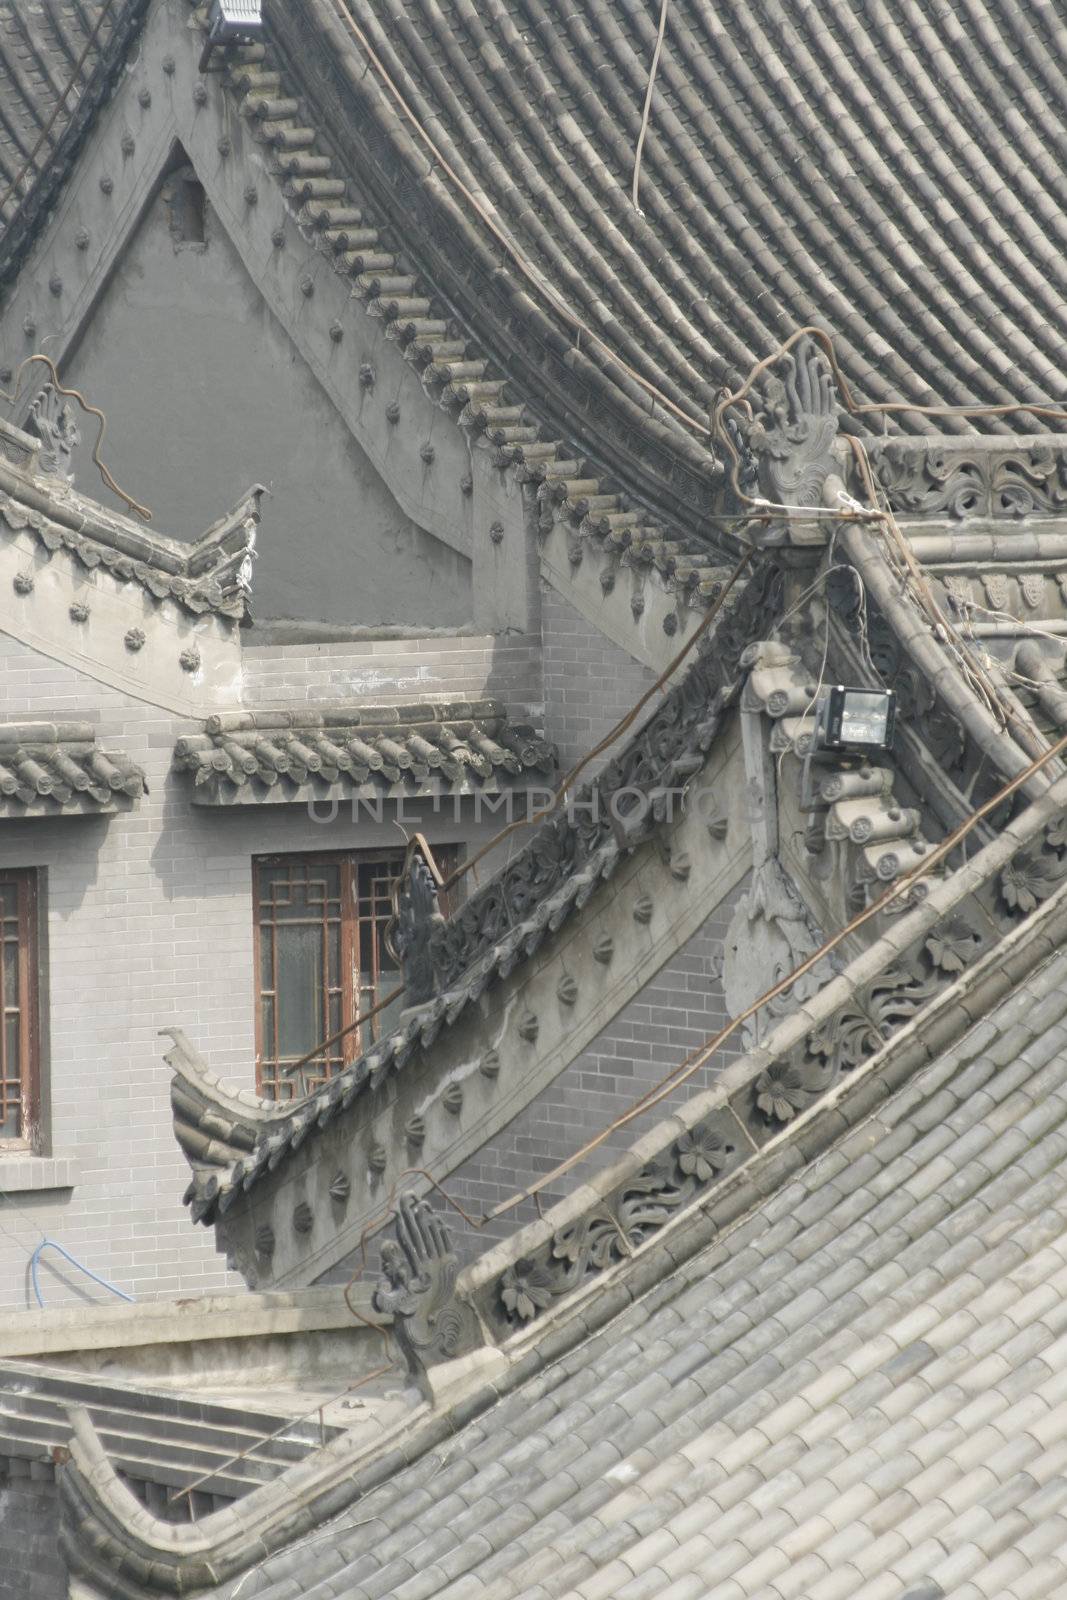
(236, 1316)
(20, 1173)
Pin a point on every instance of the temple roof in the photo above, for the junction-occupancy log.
(339, 751)
(824, 1362)
(895, 181)
(856, 1392)
(892, 178)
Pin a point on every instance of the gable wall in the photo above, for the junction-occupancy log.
(206, 394)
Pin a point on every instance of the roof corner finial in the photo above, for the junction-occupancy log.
(417, 1289)
(52, 419)
(793, 437)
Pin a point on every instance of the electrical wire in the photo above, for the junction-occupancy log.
(445, 884)
(94, 411)
(616, 732)
(534, 277)
(697, 1058)
(647, 108)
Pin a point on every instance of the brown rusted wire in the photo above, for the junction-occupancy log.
(94, 411)
(696, 1058)
(646, 110)
(364, 1016)
(535, 278)
(728, 399)
(444, 884)
(617, 731)
(291, 1422)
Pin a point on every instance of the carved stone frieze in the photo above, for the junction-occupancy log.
(922, 479)
(1036, 873)
(661, 759)
(612, 1231)
(411, 934)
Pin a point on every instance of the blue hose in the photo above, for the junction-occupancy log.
(50, 1244)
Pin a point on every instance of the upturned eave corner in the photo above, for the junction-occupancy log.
(214, 1124)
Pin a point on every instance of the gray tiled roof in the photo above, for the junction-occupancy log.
(875, 171)
(52, 769)
(857, 1394)
(58, 65)
(428, 747)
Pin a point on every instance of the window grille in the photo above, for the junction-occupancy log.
(20, 1032)
(321, 961)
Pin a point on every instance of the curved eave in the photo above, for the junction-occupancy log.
(913, 242)
(614, 420)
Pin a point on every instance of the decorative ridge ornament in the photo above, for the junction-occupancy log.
(793, 437)
(416, 916)
(52, 419)
(417, 1289)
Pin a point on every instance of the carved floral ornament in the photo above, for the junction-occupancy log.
(612, 1232)
(925, 480)
(698, 1159)
(1036, 873)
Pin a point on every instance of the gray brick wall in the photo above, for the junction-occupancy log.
(149, 923)
(30, 1564)
(383, 671)
(589, 683)
(677, 1011)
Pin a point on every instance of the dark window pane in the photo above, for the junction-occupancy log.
(300, 998)
(10, 993)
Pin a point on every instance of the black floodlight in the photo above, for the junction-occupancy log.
(855, 719)
(231, 22)
(235, 21)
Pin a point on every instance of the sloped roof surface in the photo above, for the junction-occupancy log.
(859, 1393)
(892, 171)
(58, 62)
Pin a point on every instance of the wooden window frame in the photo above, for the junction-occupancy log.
(270, 1069)
(29, 1135)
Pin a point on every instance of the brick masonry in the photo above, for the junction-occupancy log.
(31, 1568)
(589, 685)
(676, 1012)
(149, 923)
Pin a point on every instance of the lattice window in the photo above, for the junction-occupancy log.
(321, 961)
(19, 1033)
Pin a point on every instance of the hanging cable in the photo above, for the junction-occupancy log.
(647, 108)
(626, 722)
(697, 1058)
(91, 410)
